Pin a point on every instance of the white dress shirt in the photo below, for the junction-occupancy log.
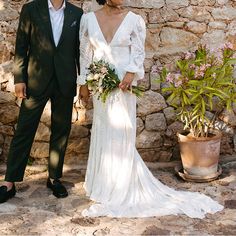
(57, 20)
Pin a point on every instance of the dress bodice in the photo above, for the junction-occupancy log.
(125, 52)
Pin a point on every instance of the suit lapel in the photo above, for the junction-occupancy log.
(46, 22)
(67, 16)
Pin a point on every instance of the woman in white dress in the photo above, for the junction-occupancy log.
(117, 179)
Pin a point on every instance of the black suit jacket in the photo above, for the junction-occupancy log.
(37, 57)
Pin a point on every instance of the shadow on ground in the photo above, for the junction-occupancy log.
(36, 211)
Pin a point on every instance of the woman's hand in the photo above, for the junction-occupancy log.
(84, 93)
(126, 83)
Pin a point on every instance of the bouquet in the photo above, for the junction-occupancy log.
(102, 80)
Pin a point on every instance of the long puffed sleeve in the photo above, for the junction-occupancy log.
(86, 50)
(138, 37)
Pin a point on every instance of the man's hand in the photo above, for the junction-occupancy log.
(126, 83)
(20, 90)
(84, 93)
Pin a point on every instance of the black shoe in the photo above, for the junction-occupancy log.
(6, 195)
(57, 188)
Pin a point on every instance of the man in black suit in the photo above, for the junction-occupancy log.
(45, 67)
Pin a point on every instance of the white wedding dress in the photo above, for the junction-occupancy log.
(117, 179)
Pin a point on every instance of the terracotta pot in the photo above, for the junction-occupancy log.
(200, 156)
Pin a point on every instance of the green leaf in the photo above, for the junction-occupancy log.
(171, 97)
(185, 98)
(203, 109)
(168, 89)
(231, 61)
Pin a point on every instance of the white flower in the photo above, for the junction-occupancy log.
(100, 90)
(90, 77)
(100, 83)
(169, 78)
(104, 70)
(96, 76)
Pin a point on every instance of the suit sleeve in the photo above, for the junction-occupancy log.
(78, 43)
(22, 47)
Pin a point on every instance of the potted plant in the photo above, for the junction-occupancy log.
(201, 87)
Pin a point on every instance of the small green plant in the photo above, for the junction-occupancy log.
(203, 82)
(30, 161)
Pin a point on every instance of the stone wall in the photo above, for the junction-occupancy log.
(173, 27)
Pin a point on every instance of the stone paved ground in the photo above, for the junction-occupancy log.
(35, 211)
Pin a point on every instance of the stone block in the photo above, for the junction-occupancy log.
(217, 25)
(6, 146)
(6, 129)
(196, 27)
(165, 156)
(153, 40)
(222, 2)
(155, 122)
(1, 139)
(177, 38)
(175, 4)
(145, 4)
(195, 13)
(6, 97)
(203, 2)
(8, 114)
(224, 13)
(155, 82)
(150, 155)
(78, 131)
(85, 117)
(140, 125)
(46, 116)
(43, 133)
(40, 150)
(145, 82)
(170, 115)
(77, 146)
(174, 128)
(150, 103)
(148, 139)
(229, 117)
(214, 39)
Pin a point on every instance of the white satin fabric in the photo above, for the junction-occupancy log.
(117, 179)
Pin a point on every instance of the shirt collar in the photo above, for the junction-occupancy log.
(50, 6)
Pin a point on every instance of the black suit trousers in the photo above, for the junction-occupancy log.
(28, 121)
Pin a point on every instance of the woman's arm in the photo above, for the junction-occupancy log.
(86, 56)
(135, 69)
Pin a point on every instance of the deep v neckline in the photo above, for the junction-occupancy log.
(117, 30)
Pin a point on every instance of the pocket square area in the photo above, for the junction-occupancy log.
(73, 23)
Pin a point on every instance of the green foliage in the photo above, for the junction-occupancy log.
(204, 82)
(30, 161)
